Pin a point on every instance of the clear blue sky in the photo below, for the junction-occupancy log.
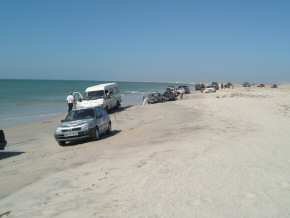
(147, 40)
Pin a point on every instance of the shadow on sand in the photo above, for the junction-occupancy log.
(7, 154)
(112, 133)
(120, 109)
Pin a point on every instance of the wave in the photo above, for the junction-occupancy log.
(27, 117)
(135, 92)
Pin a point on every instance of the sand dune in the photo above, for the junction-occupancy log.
(209, 155)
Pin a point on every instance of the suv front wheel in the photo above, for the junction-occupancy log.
(96, 133)
(61, 143)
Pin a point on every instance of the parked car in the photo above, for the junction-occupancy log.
(81, 124)
(103, 95)
(185, 88)
(154, 97)
(274, 86)
(246, 84)
(199, 87)
(228, 85)
(3, 141)
(261, 85)
(209, 89)
(215, 85)
(169, 95)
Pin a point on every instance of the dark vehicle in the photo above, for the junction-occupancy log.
(81, 124)
(169, 95)
(215, 85)
(186, 89)
(228, 85)
(274, 86)
(3, 141)
(199, 87)
(154, 97)
(261, 85)
(246, 84)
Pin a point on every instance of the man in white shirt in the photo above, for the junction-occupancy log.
(70, 102)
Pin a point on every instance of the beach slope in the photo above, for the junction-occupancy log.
(218, 155)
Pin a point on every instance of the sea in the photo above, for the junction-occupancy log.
(25, 101)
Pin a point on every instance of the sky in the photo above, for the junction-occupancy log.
(149, 40)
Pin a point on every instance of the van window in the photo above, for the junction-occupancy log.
(94, 95)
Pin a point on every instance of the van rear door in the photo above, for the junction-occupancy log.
(77, 96)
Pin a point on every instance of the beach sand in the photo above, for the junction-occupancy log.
(224, 154)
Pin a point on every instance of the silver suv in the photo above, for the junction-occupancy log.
(80, 124)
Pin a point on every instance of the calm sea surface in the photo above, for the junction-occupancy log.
(23, 101)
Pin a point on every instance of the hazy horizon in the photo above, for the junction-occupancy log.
(152, 41)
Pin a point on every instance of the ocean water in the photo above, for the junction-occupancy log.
(23, 101)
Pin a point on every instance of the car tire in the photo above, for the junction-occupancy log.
(107, 109)
(118, 105)
(109, 128)
(96, 133)
(61, 143)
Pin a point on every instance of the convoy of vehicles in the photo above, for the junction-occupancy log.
(104, 95)
(90, 120)
(81, 124)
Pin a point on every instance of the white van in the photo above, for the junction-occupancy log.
(104, 95)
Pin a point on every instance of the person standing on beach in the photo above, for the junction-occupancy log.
(70, 102)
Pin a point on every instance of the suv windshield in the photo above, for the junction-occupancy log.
(94, 95)
(80, 115)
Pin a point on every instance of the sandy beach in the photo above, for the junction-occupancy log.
(224, 154)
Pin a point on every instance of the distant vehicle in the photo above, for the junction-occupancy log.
(261, 85)
(170, 95)
(3, 141)
(215, 85)
(209, 89)
(173, 90)
(246, 84)
(228, 85)
(185, 88)
(104, 95)
(199, 87)
(81, 124)
(274, 86)
(154, 97)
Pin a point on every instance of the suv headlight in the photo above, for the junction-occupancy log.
(58, 131)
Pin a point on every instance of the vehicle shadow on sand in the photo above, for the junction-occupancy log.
(7, 154)
(112, 133)
(120, 109)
